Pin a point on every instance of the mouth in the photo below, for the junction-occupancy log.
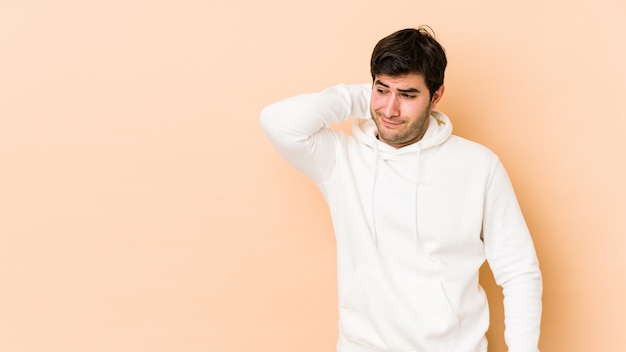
(390, 124)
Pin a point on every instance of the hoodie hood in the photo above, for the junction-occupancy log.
(438, 131)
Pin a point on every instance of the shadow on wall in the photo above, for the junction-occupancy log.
(495, 334)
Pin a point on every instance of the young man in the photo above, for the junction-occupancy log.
(416, 210)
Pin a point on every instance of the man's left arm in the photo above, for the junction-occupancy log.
(512, 258)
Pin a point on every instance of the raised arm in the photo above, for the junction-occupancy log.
(298, 126)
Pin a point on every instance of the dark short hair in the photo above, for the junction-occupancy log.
(410, 51)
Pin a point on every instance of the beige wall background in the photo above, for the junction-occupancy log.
(141, 208)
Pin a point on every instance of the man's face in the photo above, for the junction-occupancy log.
(400, 107)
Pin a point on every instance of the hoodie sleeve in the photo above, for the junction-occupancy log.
(298, 127)
(512, 258)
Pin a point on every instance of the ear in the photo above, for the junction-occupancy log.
(437, 96)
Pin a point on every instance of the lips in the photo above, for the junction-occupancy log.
(390, 124)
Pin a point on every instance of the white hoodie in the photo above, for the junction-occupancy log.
(413, 226)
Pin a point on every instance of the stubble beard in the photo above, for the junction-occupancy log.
(408, 134)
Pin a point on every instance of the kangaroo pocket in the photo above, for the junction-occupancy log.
(397, 314)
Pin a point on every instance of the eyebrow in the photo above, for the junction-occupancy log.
(407, 90)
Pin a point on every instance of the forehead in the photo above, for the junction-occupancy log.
(409, 80)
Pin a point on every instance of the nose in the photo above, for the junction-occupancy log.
(392, 107)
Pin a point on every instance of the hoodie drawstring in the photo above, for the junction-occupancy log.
(374, 193)
(417, 186)
(417, 172)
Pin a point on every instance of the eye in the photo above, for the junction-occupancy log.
(381, 91)
(408, 96)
